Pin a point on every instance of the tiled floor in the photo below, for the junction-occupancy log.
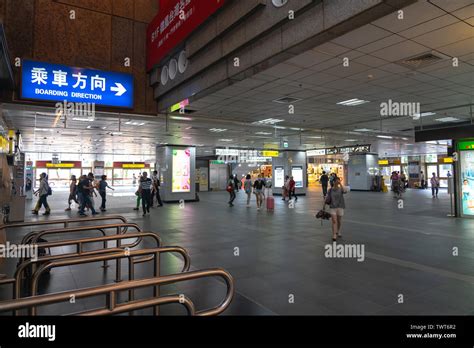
(278, 258)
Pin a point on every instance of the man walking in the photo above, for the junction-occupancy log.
(324, 180)
(145, 192)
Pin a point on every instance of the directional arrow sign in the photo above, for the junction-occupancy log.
(120, 89)
(54, 82)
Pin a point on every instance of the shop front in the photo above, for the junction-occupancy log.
(59, 174)
(442, 166)
(127, 173)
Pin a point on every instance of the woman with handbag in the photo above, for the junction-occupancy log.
(335, 200)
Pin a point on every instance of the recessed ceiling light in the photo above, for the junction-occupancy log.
(43, 130)
(384, 136)
(132, 123)
(226, 140)
(423, 114)
(315, 137)
(280, 127)
(82, 119)
(447, 119)
(217, 130)
(269, 121)
(363, 130)
(181, 118)
(263, 133)
(353, 102)
(350, 140)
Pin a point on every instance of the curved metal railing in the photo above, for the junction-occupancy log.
(111, 291)
(156, 252)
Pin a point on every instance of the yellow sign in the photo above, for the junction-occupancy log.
(383, 162)
(60, 165)
(270, 153)
(448, 160)
(3, 144)
(133, 166)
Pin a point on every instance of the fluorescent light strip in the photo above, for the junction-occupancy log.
(384, 136)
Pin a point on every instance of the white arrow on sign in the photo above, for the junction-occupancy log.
(120, 89)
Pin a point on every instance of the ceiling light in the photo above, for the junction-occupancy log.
(298, 129)
(404, 138)
(135, 123)
(280, 127)
(447, 119)
(315, 137)
(423, 114)
(187, 137)
(350, 140)
(226, 140)
(82, 119)
(217, 130)
(363, 130)
(181, 118)
(43, 130)
(353, 102)
(384, 136)
(269, 121)
(264, 133)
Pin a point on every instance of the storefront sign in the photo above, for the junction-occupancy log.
(130, 165)
(383, 162)
(63, 164)
(173, 24)
(179, 106)
(466, 145)
(227, 152)
(448, 160)
(321, 152)
(133, 166)
(269, 153)
(54, 82)
(340, 150)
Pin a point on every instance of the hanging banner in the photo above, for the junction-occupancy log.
(173, 24)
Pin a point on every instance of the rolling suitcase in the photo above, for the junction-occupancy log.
(270, 203)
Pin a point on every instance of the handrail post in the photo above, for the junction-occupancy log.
(156, 289)
(118, 262)
(131, 276)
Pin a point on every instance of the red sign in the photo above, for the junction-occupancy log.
(173, 24)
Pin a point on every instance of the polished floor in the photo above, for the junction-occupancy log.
(278, 258)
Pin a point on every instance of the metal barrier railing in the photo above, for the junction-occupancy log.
(155, 252)
(65, 222)
(33, 237)
(79, 243)
(111, 290)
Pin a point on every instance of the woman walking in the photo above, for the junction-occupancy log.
(248, 188)
(43, 193)
(335, 200)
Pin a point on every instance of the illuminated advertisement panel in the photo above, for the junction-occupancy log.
(467, 182)
(181, 179)
(297, 173)
(279, 176)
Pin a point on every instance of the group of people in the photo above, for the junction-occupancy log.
(261, 187)
(398, 183)
(148, 190)
(81, 191)
(325, 179)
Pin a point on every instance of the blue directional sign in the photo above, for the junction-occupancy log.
(54, 82)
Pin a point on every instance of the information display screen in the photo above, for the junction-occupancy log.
(181, 170)
(467, 182)
(279, 177)
(297, 173)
